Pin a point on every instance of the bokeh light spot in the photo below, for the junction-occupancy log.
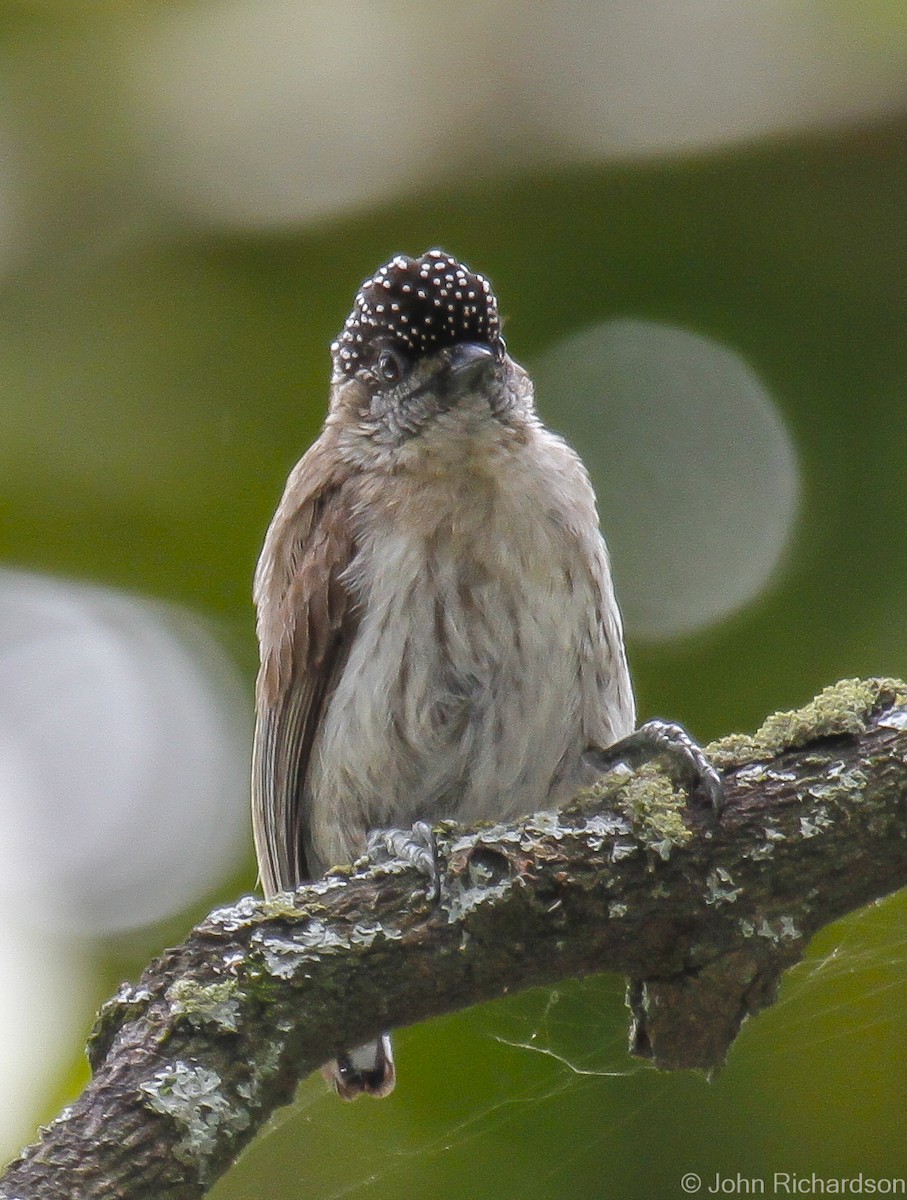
(47, 990)
(123, 757)
(695, 471)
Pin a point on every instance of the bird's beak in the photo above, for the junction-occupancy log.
(461, 370)
(467, 363)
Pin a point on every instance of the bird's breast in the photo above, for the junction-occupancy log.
(467, 689)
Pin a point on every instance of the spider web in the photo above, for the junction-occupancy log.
(562, 1051)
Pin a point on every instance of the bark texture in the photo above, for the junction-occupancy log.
(702, 916)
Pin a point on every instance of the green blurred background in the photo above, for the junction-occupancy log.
(190, 195)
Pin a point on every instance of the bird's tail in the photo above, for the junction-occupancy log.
(366, 1071)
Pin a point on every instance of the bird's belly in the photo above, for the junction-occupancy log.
(463, 697)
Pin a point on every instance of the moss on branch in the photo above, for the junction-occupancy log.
(701, 915)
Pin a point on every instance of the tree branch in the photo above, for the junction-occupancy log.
(703, 916)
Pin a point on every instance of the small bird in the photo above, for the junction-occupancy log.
(438, 629)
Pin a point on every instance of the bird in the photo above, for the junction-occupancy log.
(438, 629)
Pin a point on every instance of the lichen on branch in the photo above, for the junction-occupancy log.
(701, 914)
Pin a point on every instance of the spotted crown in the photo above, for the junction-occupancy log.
(417, 305)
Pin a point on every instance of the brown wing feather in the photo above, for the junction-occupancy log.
(306, 624)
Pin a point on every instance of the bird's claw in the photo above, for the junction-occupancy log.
(664, 739)
(416, 846)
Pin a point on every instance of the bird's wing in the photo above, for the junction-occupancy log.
(306, 624)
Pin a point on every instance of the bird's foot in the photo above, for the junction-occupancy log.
(663, 739)
(416, 846)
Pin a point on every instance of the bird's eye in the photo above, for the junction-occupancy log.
(390, 366)
(499, 348)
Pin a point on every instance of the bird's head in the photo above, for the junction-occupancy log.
(423, 345)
